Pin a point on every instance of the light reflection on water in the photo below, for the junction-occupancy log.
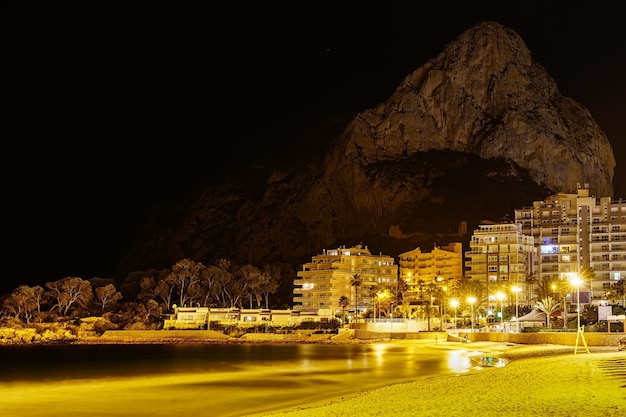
(230, 380)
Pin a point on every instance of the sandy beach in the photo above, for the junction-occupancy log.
(538, 380)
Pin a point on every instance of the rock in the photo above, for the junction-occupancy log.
(477, 131)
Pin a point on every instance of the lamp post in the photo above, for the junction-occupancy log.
(580, 335)
(516, 290)
(391, 320)
(501, 297)
(576, 281)
(472, 300)
(454, 304)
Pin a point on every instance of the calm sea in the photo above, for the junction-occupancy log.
(211, 380)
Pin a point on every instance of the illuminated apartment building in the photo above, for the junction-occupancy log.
(328, 276)
(573, 231)
(439, 267)
(501, 256)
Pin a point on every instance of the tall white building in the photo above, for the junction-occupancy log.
(501, 257)
(330, 275)
(575, 231)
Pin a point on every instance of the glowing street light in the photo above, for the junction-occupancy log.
(576, 282)
(472, 300)
(516, 290)
(454, 304)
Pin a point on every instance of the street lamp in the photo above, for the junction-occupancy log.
(516, 290)
(472, 300)
(454, 304)
(501, 297)
(576, 281)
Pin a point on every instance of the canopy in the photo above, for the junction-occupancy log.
(534, 316)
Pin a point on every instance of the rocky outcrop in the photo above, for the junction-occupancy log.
(484, 95)
(474, 133)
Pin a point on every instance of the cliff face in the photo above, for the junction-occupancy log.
(474, 133)
(484, 95)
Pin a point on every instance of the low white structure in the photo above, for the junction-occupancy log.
(200, 317)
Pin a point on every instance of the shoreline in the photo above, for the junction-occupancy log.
(537, 380)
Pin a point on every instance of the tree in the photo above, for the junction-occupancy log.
(107, 294)
(185, 273)
(431, 289)
(69, 291)
(206, 289)
(344, 302)
(356, 283)
(402, 288)
(467, 287)
(252, 280)
(271, 282)
(148, 287)
(22, 302)
(164, 290)
(620, 290)
(224, 282)
(548, 306)
(530, 281)
(544, 288)
(405, 308)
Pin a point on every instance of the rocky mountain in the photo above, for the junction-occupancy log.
(472, 134)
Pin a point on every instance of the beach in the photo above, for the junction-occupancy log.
(537, 380)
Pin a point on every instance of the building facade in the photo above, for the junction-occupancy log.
(351, 272)
(192, 318)
(439, 267)
(502, 257)
(575, 231)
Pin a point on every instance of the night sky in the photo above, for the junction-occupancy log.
(111, 109)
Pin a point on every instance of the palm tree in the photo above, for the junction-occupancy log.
(344, 302)
(620, 290)
(548, 305)
(530, 281)
(405, 308)
(543, 287)
(432, 291)
(356, 283)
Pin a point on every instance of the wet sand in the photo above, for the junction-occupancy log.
(538, 380)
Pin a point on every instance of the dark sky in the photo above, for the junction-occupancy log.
(113, 108)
